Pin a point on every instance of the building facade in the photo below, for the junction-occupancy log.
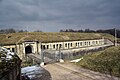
(36, 47)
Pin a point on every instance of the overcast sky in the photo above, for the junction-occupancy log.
(53, 15)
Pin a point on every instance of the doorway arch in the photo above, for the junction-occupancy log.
(28, 49)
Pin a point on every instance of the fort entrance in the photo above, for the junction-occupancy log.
(28, 49)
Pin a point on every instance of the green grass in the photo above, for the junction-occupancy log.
(50, 37)
(107, 61)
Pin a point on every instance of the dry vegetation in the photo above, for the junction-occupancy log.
(14, 38)
(106, 61)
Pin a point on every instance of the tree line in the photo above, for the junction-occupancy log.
(109, 31)
(11, 30)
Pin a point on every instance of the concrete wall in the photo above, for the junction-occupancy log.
(11, 47)
(72, 44)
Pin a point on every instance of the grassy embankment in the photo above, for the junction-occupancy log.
(15, 38)
(107, 61)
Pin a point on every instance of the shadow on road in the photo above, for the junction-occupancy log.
(35, 72)
(45, 76)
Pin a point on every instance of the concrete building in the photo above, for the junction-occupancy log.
(35, 47)
(65, 43)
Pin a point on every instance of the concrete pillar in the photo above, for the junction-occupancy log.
(39, 48)
(61, 60)
(17, 51)
(23, 44)
(42, 58)
(41, 54)
(50, 46)
(35, 48)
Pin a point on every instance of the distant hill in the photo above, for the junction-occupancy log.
(15, 38)
(107, 61)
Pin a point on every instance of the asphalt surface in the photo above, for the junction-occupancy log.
(63, 71)
(68, 71)
(35, 73)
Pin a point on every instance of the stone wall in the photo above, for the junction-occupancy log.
(12, 74)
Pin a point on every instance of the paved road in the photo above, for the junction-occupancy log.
(59, 73)
(68, 71)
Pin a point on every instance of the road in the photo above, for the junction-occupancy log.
(68, 71)
(60, 73)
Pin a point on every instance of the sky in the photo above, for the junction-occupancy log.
(53, 15)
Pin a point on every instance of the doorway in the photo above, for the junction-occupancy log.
(28, 49)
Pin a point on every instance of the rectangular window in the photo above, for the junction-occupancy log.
(71, 44)
(8, 48)
(65, 44)
(43, 47)
(96, 42)
(68, 45)
(89, 43)
(60, 45)
(57, 46)
(54, 46)
(47, 46)
(76, 44)
(13, 49)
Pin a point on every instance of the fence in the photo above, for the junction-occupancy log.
(54, 57)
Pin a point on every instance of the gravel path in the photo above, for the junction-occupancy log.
(59, 73)
(68, 71)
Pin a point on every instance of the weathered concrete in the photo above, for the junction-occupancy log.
(55, 47)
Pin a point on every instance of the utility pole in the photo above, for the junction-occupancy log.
(115, 37)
